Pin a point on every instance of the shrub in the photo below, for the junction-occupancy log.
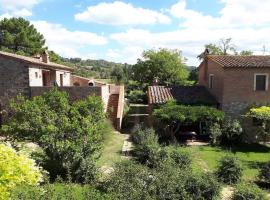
(129, 181)
(147, 149)
(244, 191)
(232, 131)
(229, 170)
(58, 191)
(215, 133)
(16, 169)
(180, 157)
(203, 186)
(136, 96)
(265, 173)
(70, 134)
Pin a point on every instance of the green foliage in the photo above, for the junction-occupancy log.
(244, 191)
(173, 112)
(179, 156)
(129, 181)
(203, 186)
(136, 96)
(147, 149)
(263, 114)
(215, 133)
(171, 115)
(194, 74)
(168, 66)
(246, 53)
(167, 181)
(224, 47)
(15, 169)
(264, 174)
(58, 191)
(19, 36)
(229, 170)
(70, 134)
(231, 131)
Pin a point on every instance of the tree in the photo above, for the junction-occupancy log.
(263, 115)
(246, 53)
(171, 116)
(19, 36)
(167, 66)
(70, 134)
(224, 47)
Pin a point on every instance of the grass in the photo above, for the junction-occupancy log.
(105, 80)
(251, 156)
(111, 153)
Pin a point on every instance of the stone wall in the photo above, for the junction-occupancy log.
(14, 80)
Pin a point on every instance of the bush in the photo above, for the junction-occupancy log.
(232, 131)
(147, 149)
(245, 191)
(229, 170)
(180, 157)
(129, 181)
(137, 96)
(58, 191)
(203, 187)
(16, 169)
(70, 134)
(265, 173)
(167, 181)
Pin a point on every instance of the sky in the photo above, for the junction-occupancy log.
(120, 31)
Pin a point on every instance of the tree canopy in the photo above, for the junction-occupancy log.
(167, 66)
(20, 36)
(226, 47)
(70, 134)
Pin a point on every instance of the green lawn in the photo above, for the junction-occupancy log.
(112, 149)
(251, 156)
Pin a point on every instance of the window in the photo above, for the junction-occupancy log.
(36, 74)
(261, 82)
(211, 81)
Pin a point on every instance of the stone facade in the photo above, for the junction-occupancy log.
(14, 80)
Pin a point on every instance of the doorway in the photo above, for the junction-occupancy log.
(61, 80)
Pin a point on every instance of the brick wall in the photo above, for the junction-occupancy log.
(210, 67)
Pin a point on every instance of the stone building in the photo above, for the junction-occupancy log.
(32, 76)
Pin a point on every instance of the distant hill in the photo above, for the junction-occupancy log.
(91, 68)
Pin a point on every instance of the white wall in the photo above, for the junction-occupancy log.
(66, 78)
(33, 80)
(105, 95)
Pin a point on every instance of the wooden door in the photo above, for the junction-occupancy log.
(61, 80)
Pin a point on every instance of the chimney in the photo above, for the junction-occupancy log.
(155, 82)
(45, 57)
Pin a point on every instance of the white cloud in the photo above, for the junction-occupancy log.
(65, 42)
(120, 13)
(245, 21)
(235, 13)
(192, 40)
(17, 8)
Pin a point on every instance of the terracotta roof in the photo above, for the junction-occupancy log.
(241, 61)
(34, 61)
(182, 94)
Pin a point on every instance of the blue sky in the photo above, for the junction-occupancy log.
(120, 30)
